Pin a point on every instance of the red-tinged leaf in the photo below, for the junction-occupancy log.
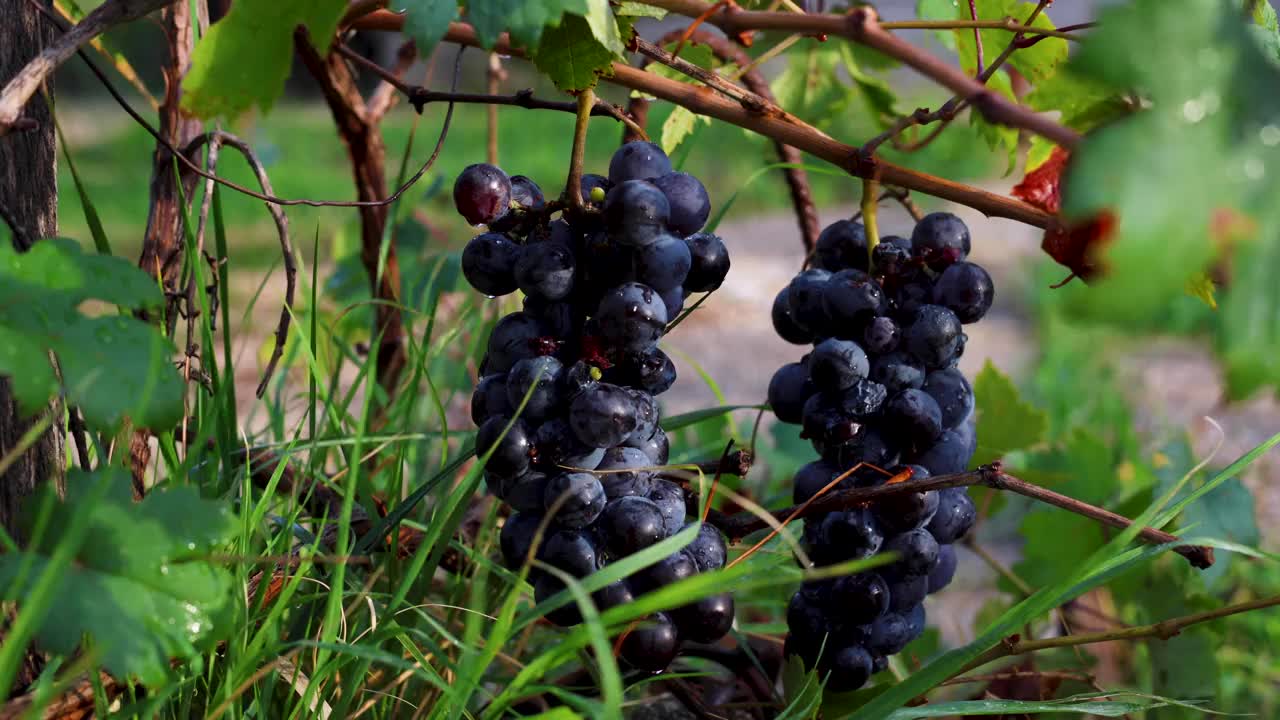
(1042, 187)
(1076, 246)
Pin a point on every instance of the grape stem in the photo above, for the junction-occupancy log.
(573, 186)
(739, 525)
(870, 199)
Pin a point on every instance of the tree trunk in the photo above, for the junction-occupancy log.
(29, 189)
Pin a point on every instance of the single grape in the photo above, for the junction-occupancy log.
(603, 416)
(841, 245)
(710, 262)
(906, 511)
(612, 595)
(811, 478)
(966, 289)
(861, 597)
(849, 668)
(652, 644)
(489, 262)
(514, 338)
(578, 377)
(953, 394)
(632, 316)
(566, 615)
(527, 198)
(837, 364)
(805, 295)
(823, 419)
(670, 499)
(575, 499)
(690, 204)
(950, 453)
(789, 389)
(572, 551)
(914, 416)
(915, 618)
(638, 160)
(917, 553)
(664, 263)
(940, 239)
(545, 270)
(510, 446)
(851, 298)
(943, 572)
(783, 322)
(892, 257)
(656, 447)
(863, 399)
(708, 549)
(849, 535)
(539, 378)
(897, 371)
(933, 336)
(888, 634)
(909, 297)
(647, 415)
(671, 569)
(706, 620)
(649, 370)
(869, 446)
(880, 335)
(673, 301)
(516, 537)
(620, 472)
(635, 213)
(956, 515)
(632, 524)
(560, 319)
(525, 493)
(489, 398)
(482, 193)
(906, 593)
(557, 447)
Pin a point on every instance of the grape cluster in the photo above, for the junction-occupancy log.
(879, 395)
(566, 398)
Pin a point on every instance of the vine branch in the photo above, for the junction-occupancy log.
(741, 524)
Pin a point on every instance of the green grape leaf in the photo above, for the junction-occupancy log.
(1247, 326)
(245, 58)
(426, 21)
(639, 9)
(810, 86)
(1000, 138)
(939, 10)
(1006, 422)
(572, 54)
(27, 362)
(876, 92)
(57, 273)
(678, 126)
(526, 20)
(1036, 63)
(1083, 103)
(1226, 513)
(699, 55)
(1185, 665)
(801, 688)
(116, 367)
(1211, 136)
(136, 585)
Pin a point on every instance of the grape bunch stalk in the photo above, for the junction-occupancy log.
(880, 398)
(565, 402)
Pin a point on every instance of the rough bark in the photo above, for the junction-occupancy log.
(163, 243)
(29, 189)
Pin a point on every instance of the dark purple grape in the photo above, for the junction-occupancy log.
(673, 301)
(632, 524)
(603, 416)
(789, 389)
(861, 598)
(557, 447)
(917, 553)
(880, 335)
(913, 416)
(823, 419)
(489, 262)
(849, 668)
(863, 399)
(849, 535)
(539, 378)
(632, 316)
(649, 370)
(545, 270)
(897, 371)
(851, 298)
(655, 447)
(888, 634)
(933, 337)
(892, 257)
(572, 551)
(956, 515)
(837, 364)
(578, 377)
(953, 394)
(943, 572)
(690, 204)
(559, 319)
(940, 239)
(811, 478)
(841, 245)
(482, 194)
(516, 538)
(669, 570)
(805, 298)
(915, 618)
(638, 160)
(710, 260)
(670, 499)
(950, 453)
(708, 549)
(652, 644)
(869, 446)
(647, 415)
(966, 290)
(809, 628)
(510, 446)
(906, 593)
(578, 498)
(663, 264)
(706, 620)
(525, 493)
(526, 199)
(784, 324)
(489, 398)
(906, 511)
(620, 472)
(909, 298)
(514, 338)
(635, 213)
(613, 595)
(547, 586)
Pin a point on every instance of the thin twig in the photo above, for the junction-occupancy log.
(573, 184)
(384, 96)
(977, 33)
